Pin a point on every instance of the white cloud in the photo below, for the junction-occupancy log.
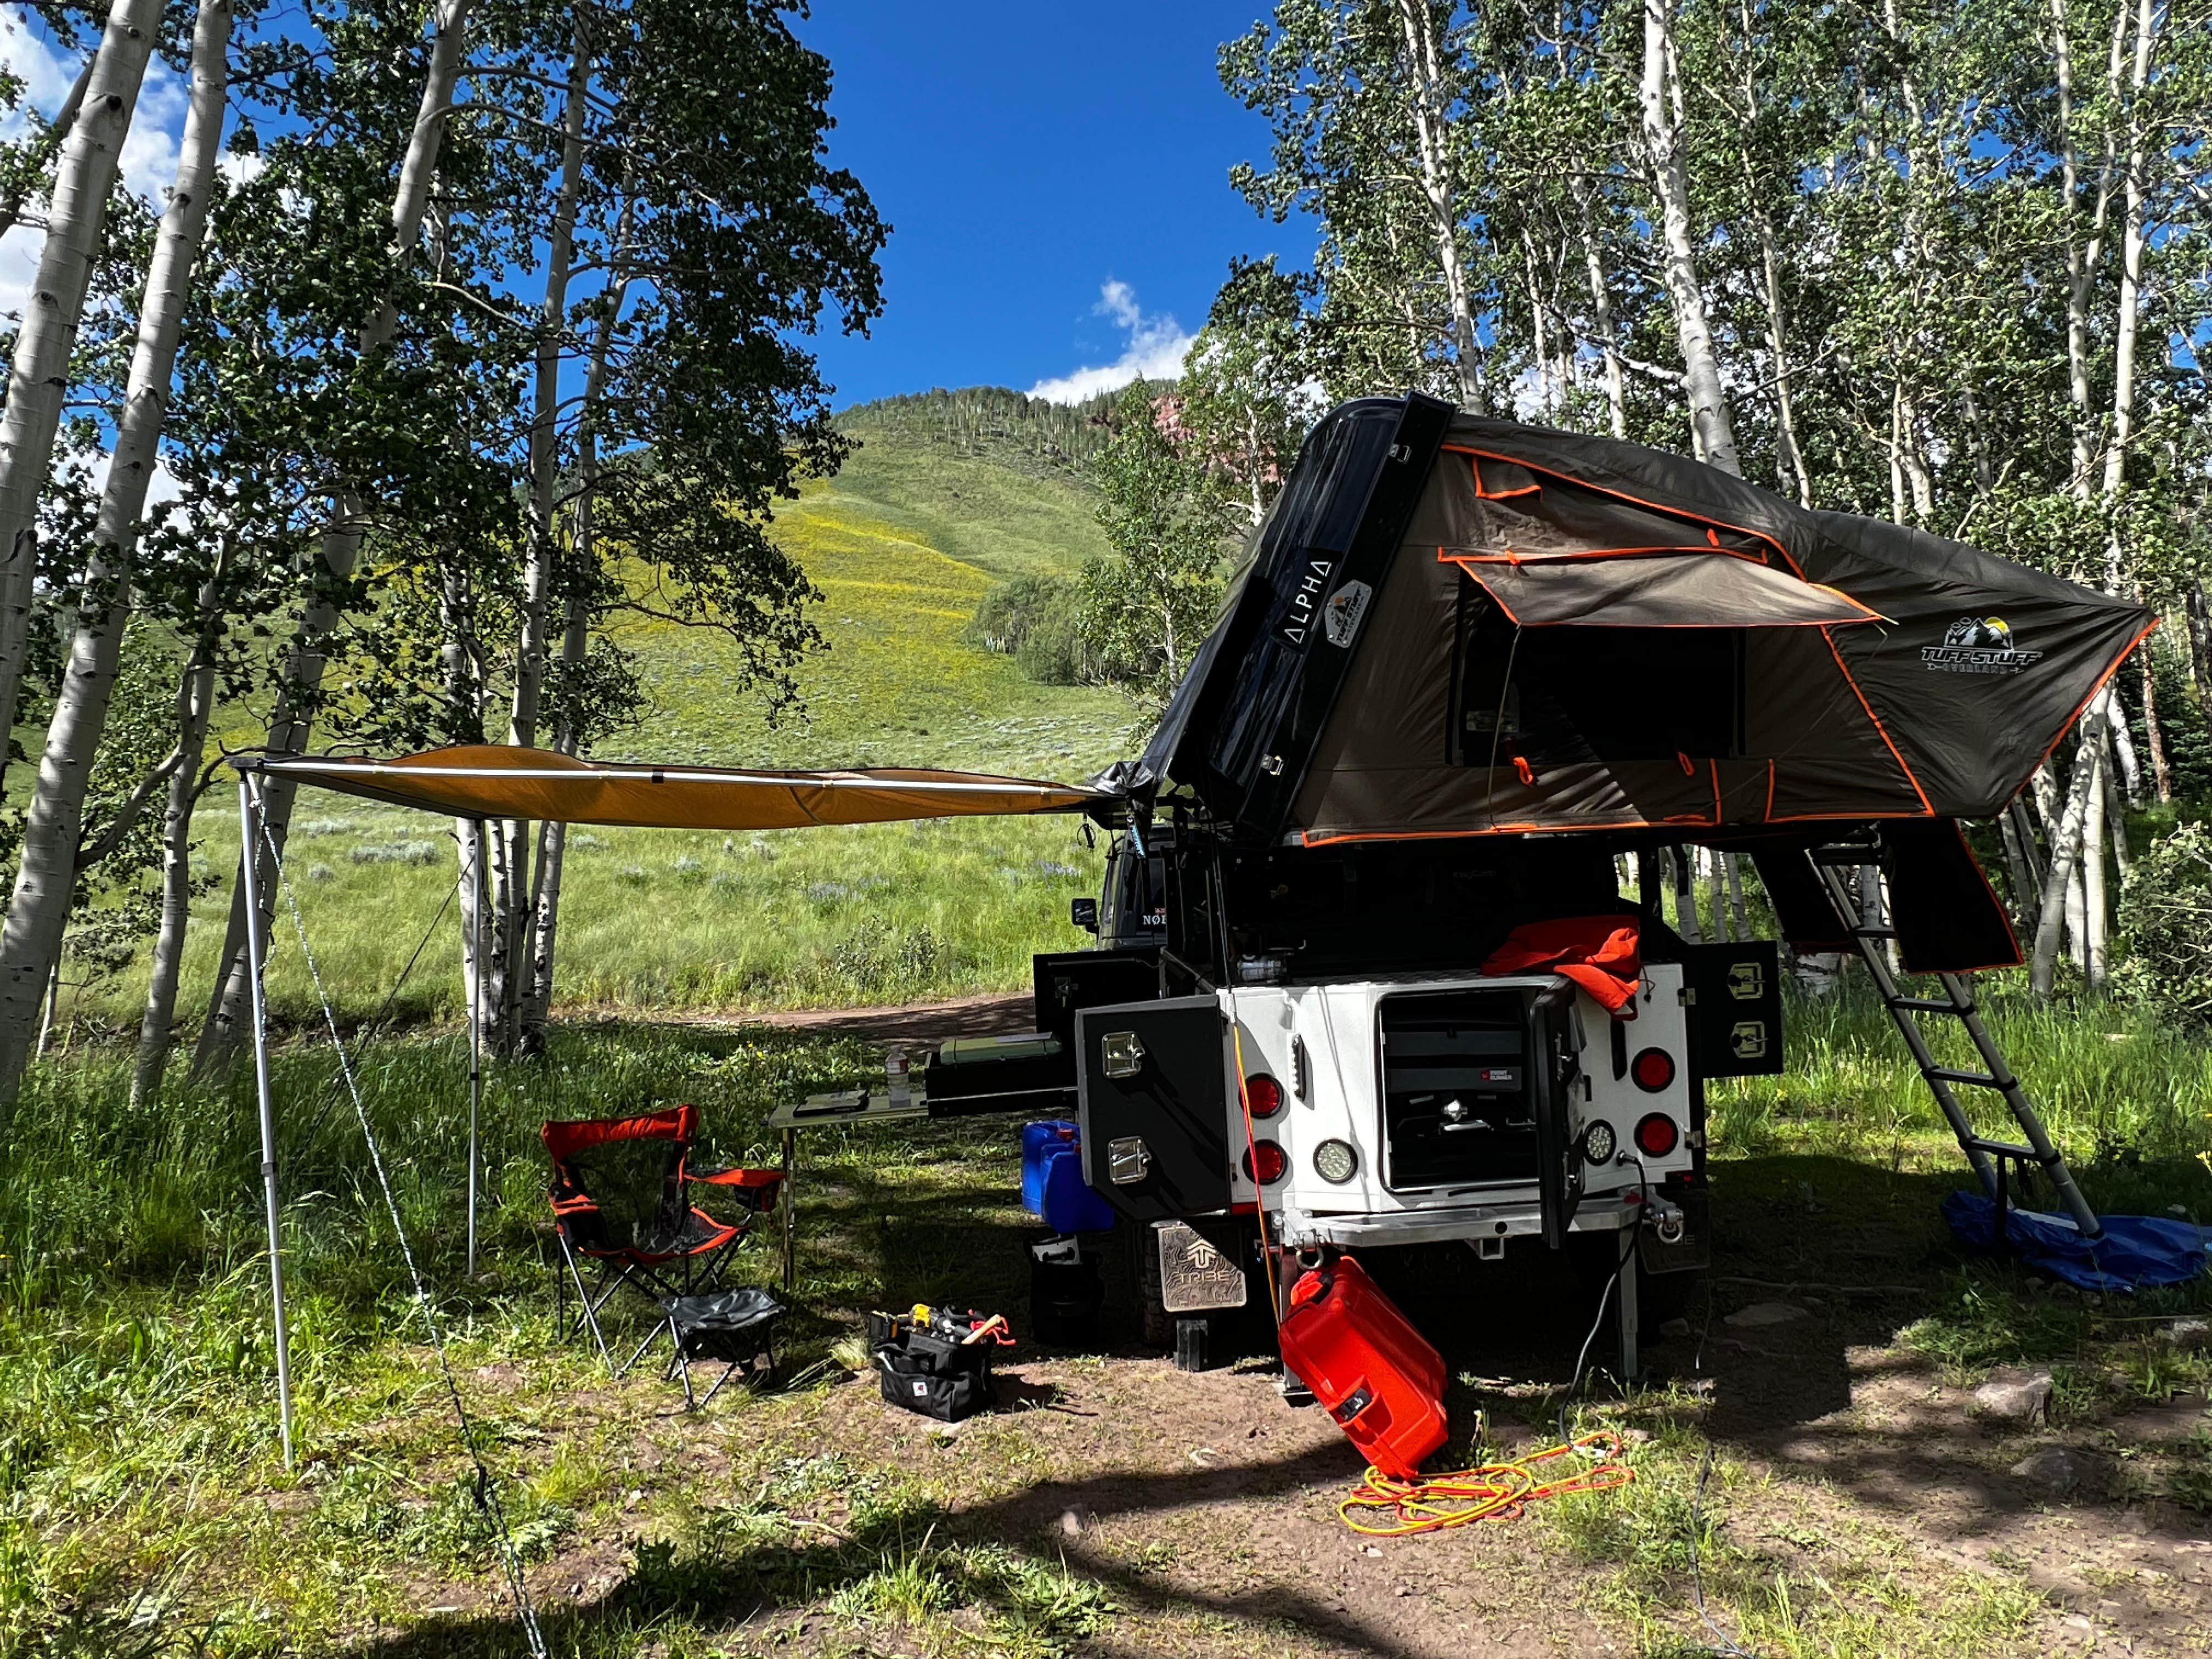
(149, 153)
(1154, 350)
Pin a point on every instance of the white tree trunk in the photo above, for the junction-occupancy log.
(1660, 93)
(37, 378)
(45, 876)
(514, 894)
(1439, 187)
(1733, 869)
(195, 703)
(2066, 840)
(545, 919)
(292, 725)
(2095, 911)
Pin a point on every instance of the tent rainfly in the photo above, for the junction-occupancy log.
(1454, 626)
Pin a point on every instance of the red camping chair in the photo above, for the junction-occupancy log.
(623, 1197)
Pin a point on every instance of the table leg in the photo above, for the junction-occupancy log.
(790, 1218)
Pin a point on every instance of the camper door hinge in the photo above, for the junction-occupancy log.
(1687, 996)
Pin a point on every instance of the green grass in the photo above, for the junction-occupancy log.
(140, 1501)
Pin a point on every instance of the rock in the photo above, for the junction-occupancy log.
(1673, 1327)
(1073, 1521)
(2187, 1332)
(2014, 1395)
(2054, 1469)
(1766, 1313)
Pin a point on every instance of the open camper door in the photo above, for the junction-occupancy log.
(1555, 1071)
(1152, 1093)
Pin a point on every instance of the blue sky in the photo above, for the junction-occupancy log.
(1057, 180)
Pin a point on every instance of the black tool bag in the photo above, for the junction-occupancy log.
(928, 1374)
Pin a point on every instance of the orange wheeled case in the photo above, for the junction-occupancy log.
(1372, 1371)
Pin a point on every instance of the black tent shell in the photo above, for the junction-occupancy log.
(1454, 626)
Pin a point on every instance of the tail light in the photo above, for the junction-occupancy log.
(1265, 1163)
(1653, 1070)
(1263, 1094)
(1657, 1135)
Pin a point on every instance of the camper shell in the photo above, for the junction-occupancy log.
(1470, 665)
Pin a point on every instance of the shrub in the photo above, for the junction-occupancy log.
(399, 852)
(1035, 620)
(2166, 916)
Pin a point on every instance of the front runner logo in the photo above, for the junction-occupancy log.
(1977, 644)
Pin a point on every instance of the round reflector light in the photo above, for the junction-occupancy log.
(1334, 1161)
(1653, 1070)
(1266, 1162)
(1265, 1094)
(1598, 1143)
(1656, 1135)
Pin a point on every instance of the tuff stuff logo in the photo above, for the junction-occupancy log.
(1977, 644)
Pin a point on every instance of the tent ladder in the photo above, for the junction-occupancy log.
(1987, 1156)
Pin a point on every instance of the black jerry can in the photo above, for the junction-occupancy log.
(1735, 1008)
(1153, 1094)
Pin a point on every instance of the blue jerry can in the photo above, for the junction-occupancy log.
(1038, 1141)
(1070, 1205)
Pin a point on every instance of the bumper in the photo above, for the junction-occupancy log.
(1510, 1219)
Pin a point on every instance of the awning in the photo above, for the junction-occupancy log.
(493, 781)
(1666, 590)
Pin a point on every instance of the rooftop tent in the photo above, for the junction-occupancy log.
(1457, 626)
(491, 781)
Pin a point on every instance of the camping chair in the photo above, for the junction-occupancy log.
(623, 1196)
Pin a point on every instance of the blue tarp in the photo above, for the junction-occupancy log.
(2137, 1251)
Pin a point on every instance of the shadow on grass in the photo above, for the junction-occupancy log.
(721, 1579)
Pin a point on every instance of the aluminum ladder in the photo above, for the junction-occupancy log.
(1989, 1158)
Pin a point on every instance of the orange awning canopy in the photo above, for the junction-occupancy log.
(493, 781)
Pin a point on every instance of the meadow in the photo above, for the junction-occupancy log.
(143, 1507)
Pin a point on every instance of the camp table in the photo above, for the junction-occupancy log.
(1018, 1073)
(849, 1110)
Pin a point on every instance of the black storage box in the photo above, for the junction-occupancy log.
(929, 1376)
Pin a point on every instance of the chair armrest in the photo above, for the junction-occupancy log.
(760, 1178)
(755, 1189)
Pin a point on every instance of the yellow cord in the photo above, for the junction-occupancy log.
(1489, 1492)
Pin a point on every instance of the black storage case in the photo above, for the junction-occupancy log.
(934, 1378)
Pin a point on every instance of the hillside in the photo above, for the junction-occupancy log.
(904, 544)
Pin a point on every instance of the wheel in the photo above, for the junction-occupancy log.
(1064, 1302)
(1663, 1297)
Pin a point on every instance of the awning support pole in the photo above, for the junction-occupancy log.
(476, 1026)
(249, 829)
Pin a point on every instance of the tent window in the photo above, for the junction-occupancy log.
(1579, 695)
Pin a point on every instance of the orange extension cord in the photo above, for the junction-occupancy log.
(1381, 1506)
